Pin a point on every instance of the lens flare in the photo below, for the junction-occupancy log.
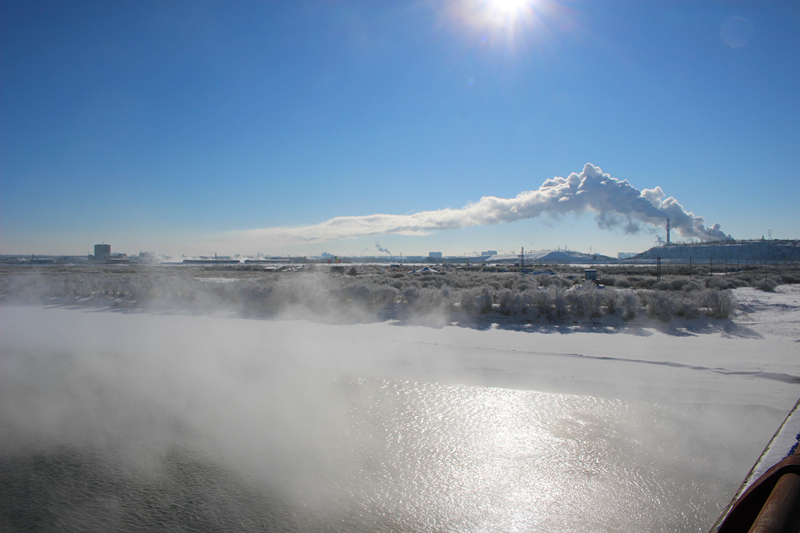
(507, 24)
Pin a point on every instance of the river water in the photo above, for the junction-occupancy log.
(134, 422)
(388, 455)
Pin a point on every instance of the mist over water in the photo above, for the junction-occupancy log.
(128, 422)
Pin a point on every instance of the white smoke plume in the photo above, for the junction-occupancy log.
(381, 249)
(687, 223)
(616, 203)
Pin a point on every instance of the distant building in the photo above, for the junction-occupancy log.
(102, 254)
(434, 255)
(488, 253)
(625, 255)
(101, 251)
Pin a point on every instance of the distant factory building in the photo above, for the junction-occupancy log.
(101, 251)
(488, 253)
(102, 254)
(434, 255)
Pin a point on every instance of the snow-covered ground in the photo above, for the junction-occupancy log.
(383, 427)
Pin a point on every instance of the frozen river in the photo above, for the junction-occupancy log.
(137, 422)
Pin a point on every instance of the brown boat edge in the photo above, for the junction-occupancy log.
(769, 499)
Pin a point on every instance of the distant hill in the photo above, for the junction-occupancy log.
(565, 256)
(774, 250)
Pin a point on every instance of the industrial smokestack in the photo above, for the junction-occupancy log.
(667, 231)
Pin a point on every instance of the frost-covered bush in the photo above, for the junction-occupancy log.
(789, 278)
(430, 282)
(609, 299)
(610, 281)
(396, 283)
(644, 283)
(427, 298)
(717, 282)
(747, 277)
(540, 300)
(476, 301)
(720, 304)
(622, 283)
(575, 301)
(383, 295)
(425, 301)
(686, 305)
(352, 294)
(767, 284)
(677, 284)
(658, 304)
(520, 302)
(544, 280)
(259, 297)
(628, 303)
(558, 302)
(692, 286)
(510, 302)
(495, 285)
(410, 294)
(584, 300)
(466, 280)
(594, 301)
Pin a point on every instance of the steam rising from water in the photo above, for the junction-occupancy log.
(136, 422)
(615, 203)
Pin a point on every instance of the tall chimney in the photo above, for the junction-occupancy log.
(667, 231)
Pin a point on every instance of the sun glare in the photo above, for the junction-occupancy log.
(502, 20)
(509, 6)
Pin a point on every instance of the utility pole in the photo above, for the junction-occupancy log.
(658, 268)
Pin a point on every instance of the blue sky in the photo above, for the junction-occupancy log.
(201, 127)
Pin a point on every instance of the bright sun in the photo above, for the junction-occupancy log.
(506, 13)
(503, 21)
(509, 6)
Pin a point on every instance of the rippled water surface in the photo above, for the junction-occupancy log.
(390, 455)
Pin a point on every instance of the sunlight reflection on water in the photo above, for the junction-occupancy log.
(478, 459)
(409, 456)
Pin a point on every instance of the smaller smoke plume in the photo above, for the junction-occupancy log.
(381, 249)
